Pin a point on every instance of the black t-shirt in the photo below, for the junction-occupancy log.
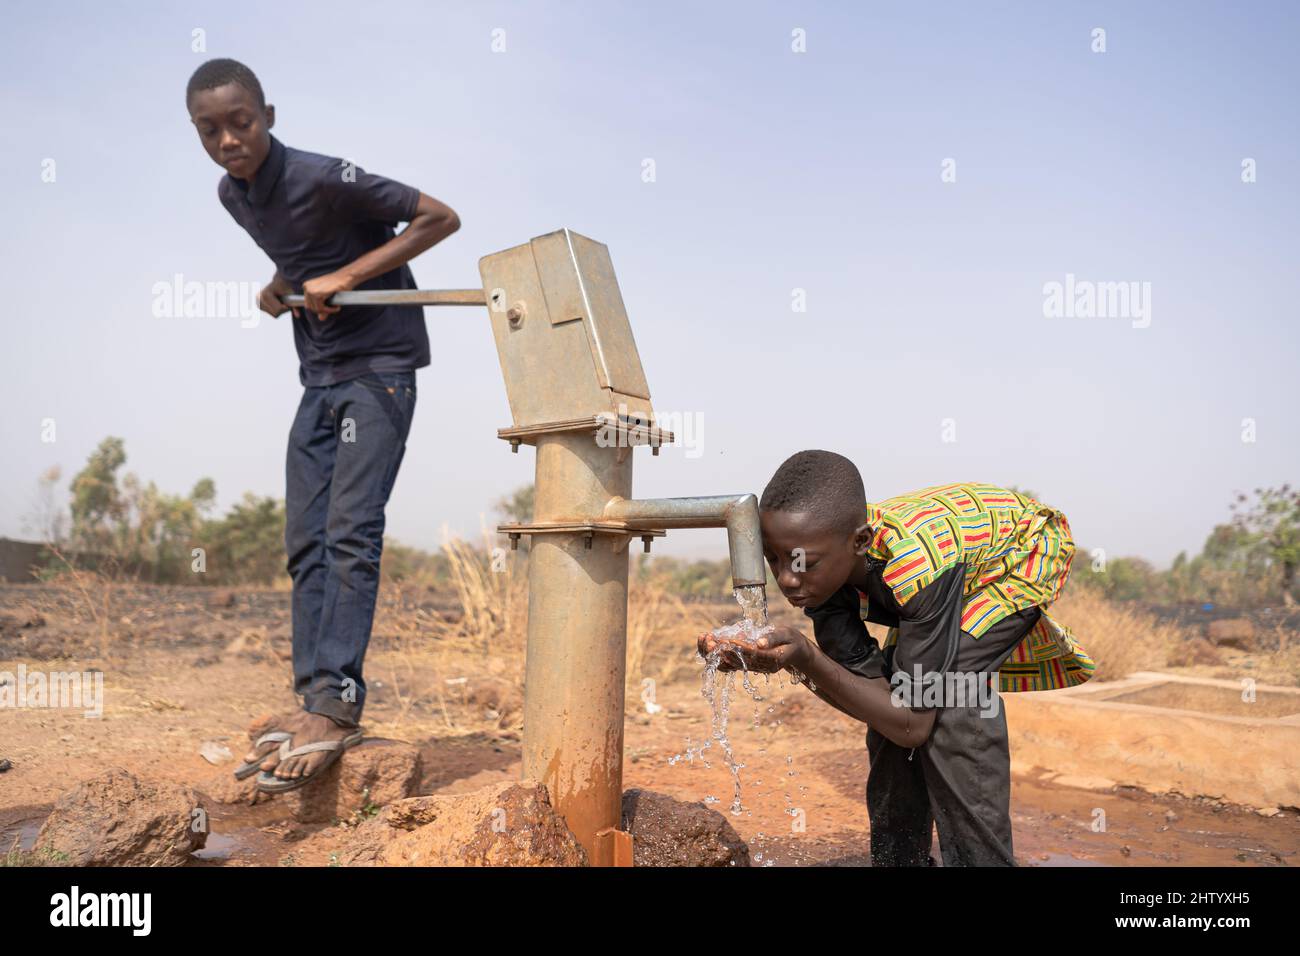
(314, 214)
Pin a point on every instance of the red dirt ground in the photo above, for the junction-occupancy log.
(196, 674)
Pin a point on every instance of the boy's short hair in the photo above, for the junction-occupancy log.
(820, 483)
(221, 71)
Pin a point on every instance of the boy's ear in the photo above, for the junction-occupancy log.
(861, 538)
(270, 115)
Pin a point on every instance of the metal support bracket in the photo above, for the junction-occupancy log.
(613, 848)
(611, 431)
(587, 529)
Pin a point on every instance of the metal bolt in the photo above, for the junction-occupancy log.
(645, 540)
(514, 446)
(515, 314)
(514, 542)
(586, 542)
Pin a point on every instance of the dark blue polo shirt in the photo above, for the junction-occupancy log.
(314, 214)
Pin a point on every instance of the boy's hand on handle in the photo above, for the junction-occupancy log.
(268, 300)
(777, 649)
(316, 291)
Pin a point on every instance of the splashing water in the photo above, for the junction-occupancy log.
(752, 599)
(752, 624)
(747, 630)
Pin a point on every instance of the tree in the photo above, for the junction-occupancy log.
(132, 525)
(517, 506)
(97, 507)
(1024, 491)
(1270, 529)
(247, 545)
(47, 520)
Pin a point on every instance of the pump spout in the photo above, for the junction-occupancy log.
(737, 513)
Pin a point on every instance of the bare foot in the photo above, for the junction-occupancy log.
(308, 729)
(271, 751)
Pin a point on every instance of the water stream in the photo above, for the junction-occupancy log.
(752, 623)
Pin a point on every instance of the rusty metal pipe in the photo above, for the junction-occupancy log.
(577, 639)
(737, 513)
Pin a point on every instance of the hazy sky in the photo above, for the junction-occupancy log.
(924, 353)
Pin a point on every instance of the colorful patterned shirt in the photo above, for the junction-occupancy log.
(1016, 553)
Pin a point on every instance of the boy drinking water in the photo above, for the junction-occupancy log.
(962, 575)
(329, 227)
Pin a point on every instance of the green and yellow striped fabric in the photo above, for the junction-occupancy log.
(1017, 554)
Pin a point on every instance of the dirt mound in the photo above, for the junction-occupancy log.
(374, 773)
(27, 636)
(1232, 632)
(670, 832)
(116, 819)
(369, 775)
(510, 824)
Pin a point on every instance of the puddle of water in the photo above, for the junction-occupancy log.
(22, 836)
(219, 846)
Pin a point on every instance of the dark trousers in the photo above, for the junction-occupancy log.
(345, 447)
(958, 781)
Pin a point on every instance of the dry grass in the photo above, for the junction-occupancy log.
(1281, 666)
(1121, 639)
(439, 657)
(492, 592)
(96, 591)
(661, 635)
(475, 649)
(454, 658)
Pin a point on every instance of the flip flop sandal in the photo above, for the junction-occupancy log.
(245, 770)
(268, 782)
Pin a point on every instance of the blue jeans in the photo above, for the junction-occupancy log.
(345, 447)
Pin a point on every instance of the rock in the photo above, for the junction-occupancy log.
(1083, 781)
(373, 773)
(1199, 651)
(1232, 632)
(670, 832)
(504, 824)
(222, 787)
(502, 698)
(223, 599)
(215, 753)
(116, 819)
